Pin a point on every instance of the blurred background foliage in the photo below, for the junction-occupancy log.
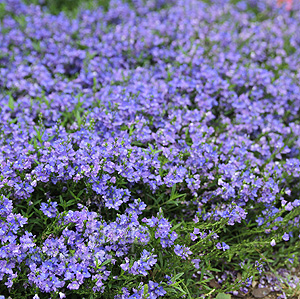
(68, 6)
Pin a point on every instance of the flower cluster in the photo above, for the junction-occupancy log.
(112, 117)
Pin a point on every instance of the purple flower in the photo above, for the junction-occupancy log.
(182, 251)
(140, 266)
(222, 246)
(285, 237)
(219, 246)
(49, 209)
(196, 263)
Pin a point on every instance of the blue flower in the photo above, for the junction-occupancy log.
(285, 237)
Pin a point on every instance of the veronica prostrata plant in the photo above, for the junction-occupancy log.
(147, 148)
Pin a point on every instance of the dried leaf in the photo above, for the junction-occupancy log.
(261, 293)
(214, 284)
(223, 296)
(254, 283)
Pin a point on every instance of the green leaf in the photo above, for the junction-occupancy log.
(73, 194)
(3, 12)
(146, 290)
(176, 226)
(161, 260)
(79, 194)
(36, 221)
(223, 296)
(36, 46)
(175, 277)
(173, 190)
(11, 103)
(177, 287)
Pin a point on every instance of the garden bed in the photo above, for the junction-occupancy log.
(149, 149)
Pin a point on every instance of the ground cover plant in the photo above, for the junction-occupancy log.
(149, 149)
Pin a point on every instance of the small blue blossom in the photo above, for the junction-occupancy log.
(49, 209)
(182, 251)
(222, 246)
(285, 237)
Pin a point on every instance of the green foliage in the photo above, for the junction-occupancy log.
(68, 6)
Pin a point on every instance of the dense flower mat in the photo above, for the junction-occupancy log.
(147, 148)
